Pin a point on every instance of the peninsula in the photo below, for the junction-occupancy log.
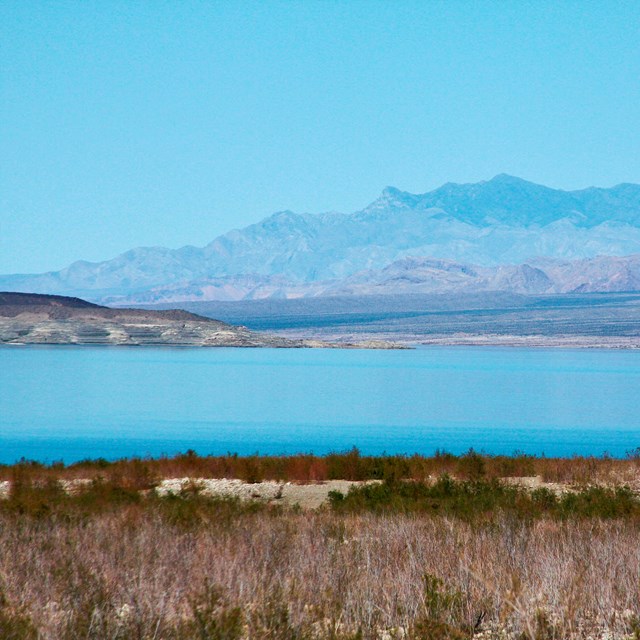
(46, 319)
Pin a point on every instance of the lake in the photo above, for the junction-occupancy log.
(69, 403)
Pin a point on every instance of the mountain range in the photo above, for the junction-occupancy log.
(503, 234)
(603, 274)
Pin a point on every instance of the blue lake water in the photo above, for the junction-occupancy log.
(76, 402)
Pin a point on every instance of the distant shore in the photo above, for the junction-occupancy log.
(475, 340)
(578, 320)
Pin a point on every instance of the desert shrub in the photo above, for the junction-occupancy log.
(479, 499)
(544, 499)
(346, 466)
(272, 621)
(543, 628)
(466, 499)
(442, 616)
(519, 464)
(136, 474)
(15, 623)
(212, 617)
(336, 499)
(599, 502)
(633, 627)
(471, 466)
(89, 464)
(251, 469)
(143, 473)
(33, 498)
(189, 513)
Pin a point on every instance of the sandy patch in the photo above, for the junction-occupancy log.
(307, 496)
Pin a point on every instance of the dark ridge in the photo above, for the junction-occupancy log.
(53, 307)
(41, 300)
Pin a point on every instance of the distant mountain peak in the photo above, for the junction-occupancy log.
(285, 214)
(504, 220)
(505, 178)
(393, 198)
(393, 194)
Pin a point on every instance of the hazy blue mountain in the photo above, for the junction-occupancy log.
(603, 274)
(502, 221)
(515, 202)
(413, 275)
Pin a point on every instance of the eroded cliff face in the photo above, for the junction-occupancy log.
(190, 334)
(41, 319)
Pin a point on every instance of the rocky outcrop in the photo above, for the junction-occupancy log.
(41, 319)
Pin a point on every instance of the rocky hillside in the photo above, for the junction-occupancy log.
(43, 319)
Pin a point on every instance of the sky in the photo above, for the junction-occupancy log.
(152, 122)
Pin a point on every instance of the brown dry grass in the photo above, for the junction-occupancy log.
(117, 562)
(181, 568)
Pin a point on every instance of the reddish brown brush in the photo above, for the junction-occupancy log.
(351, 465)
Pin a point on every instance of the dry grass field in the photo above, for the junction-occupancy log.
(437, 548)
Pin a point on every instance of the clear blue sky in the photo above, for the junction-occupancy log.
(167, 123)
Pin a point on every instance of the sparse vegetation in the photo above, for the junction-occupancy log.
(440, 549)
(475, 500)
(350, 465)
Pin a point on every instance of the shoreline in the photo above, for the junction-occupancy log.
(377, 342)
(533, 341)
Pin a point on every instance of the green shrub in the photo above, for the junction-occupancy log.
(213, 618)
(471, 466)
(474, 500)
(442, 618)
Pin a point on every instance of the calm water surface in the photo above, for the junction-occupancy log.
(76, 402)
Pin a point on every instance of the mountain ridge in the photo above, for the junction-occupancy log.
(415, 275)
(502, 221)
